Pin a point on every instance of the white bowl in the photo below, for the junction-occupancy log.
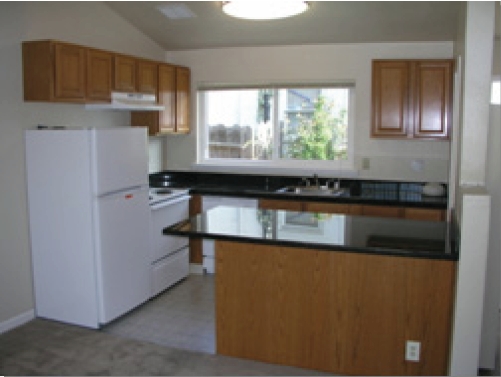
(433, 189)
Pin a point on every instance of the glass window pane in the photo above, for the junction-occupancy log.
(239, 124)
(313, 123)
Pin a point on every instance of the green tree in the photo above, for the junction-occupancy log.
(321, 137)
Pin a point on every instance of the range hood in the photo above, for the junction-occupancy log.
(128, 102)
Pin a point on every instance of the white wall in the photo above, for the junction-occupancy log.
(473, 327)
(490, 326)
(388, 159)
(87, 23)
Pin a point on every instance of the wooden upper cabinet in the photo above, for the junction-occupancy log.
(411, 98)
(147, 77)
(167, 97)
(174, 94)
(160, 122)
(124, 76)
(183, 84)
(432, 99)
(53, 71)
(70, 71)
(99, 75)
(135, 75)
(390, 98)
(56, 71)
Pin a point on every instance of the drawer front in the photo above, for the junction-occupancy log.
(169, 271)
(161, 245)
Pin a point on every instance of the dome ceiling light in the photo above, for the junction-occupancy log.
(264, 10)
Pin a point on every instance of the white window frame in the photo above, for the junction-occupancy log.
(495, 90)
(347, 167)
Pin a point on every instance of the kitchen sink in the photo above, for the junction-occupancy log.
(311, 190)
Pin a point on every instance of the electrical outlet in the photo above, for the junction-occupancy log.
(412, 350)
(366, 163)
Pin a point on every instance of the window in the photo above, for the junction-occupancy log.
(276, 126)
(496, 92)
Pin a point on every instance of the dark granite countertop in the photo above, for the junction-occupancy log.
(388, 193)
(360, 234)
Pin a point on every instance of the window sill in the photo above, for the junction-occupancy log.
(284, 170)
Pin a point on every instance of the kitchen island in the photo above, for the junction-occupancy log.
(338, 293)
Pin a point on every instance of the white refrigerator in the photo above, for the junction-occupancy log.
(89, 222)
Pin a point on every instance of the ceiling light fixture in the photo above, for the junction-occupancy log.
(264, 10)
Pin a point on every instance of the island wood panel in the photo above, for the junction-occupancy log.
(344, 313)
(196, 255)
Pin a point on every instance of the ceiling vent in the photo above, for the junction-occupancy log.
(176, 11)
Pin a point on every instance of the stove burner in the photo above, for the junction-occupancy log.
(163, 192)
(161, 195)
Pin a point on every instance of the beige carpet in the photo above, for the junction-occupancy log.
(48, 348)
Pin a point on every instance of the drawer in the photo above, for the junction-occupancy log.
(168, 271)
(161, 245)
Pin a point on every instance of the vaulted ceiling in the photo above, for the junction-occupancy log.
(324, 22)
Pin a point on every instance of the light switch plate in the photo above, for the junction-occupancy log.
(412, 350)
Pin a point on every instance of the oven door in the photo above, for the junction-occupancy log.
(165, 214)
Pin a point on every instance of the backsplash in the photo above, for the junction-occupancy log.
(412, 169)
(154, 155)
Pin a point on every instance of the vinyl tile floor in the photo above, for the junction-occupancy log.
(180, 317)
(172, 334)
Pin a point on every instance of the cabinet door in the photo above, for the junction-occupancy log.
(340, 208)
(147, 77)
(99, 71)
(69, 72)
(382, 211)
(183, 83)
(167, 97)
(148, 119)
(424, 214)
(390, 99)
(280, 204)
(124, 74)
(196, 247)
(432, 99)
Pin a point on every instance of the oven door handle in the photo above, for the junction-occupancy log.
(169, 202)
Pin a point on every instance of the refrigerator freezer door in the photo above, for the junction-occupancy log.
(120, 159)
(122, 258)
(61, 220)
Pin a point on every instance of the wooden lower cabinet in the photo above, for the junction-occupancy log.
(427, 214)
(343, 313)
(280, 204)
(347, 209)
(424, 214)
(196, 244)
(382, 211)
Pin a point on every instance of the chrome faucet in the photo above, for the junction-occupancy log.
(315, 178)
(336, 184)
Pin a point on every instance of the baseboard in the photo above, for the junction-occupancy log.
(196, 269)
(17, 321)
